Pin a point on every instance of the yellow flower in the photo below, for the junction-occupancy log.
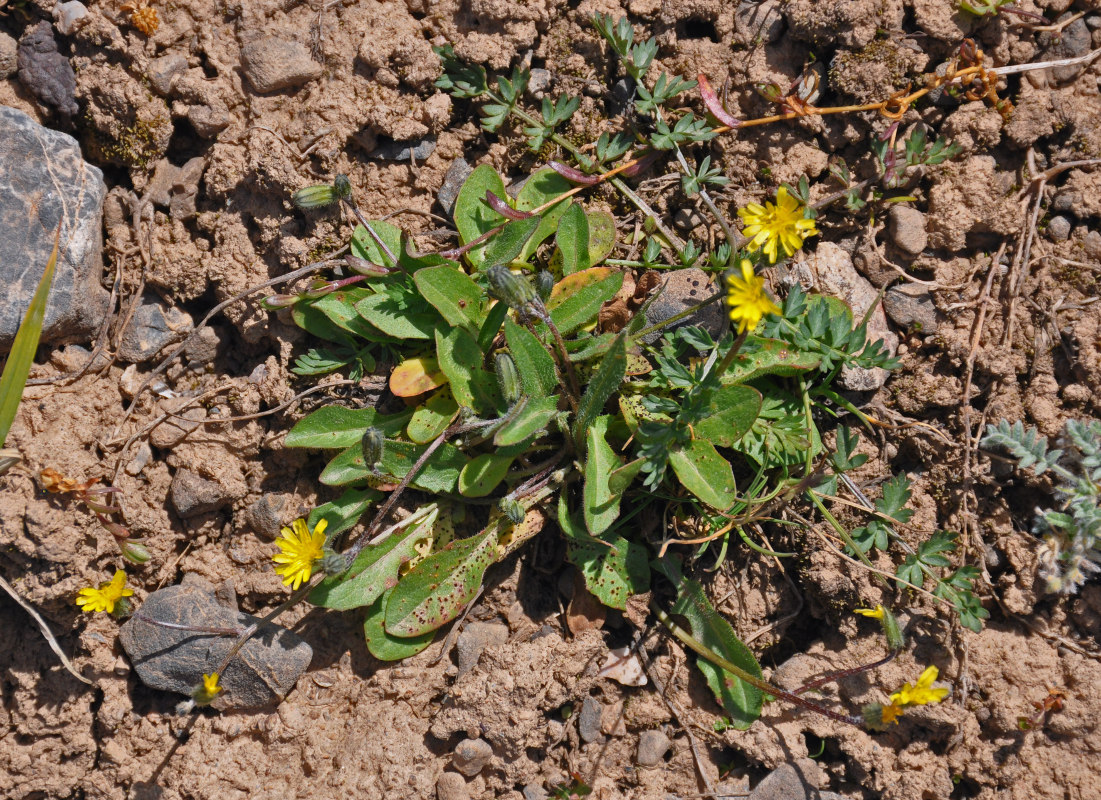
(205, 692)
(875, 613)
(891, 713)
(747, 298)
(106, 596)
(777, 227)
(298, 550)
(921, 693)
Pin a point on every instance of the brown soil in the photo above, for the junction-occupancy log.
(354, 727)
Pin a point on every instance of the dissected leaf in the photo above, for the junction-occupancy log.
(439, 587)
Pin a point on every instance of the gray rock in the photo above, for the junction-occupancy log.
(907, 229)
(451, 786)
(759, 22)
(1066, 201)
(684, 288)
(798, 781)
(652, 747)
(1072, 41)
(202, 348)
(453, 181)
(588, 721)
(192, 494)
(44, 71)
(539, 81)
(471, 755)
(151, 329)
(271, 64)
(9, 56)
(208, 121)
(70, 17)
(43, 180)
(620, 96)
(163, 72)
(911, 307)
(141, 459)
(403, 151)
(474, 639)
(265, 516)
(535, 791)
(263, 672)
(1058, 229)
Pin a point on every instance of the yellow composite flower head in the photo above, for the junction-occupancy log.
(106, 596)
(891, 714)
(299, 548)
(875, 613)
(921, 693)
(779, 228)
(206, 691)
(747, 298)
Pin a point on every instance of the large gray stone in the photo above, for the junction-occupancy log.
(174, 660)
(45, 181)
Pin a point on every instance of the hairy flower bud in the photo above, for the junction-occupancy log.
(508, 378)
(544, 284)
(373, 440)
(512, 509)
(514, 290)
(333, 563)
(135, 552)
(318, 196)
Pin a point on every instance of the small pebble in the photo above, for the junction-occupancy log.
(163, 72)
(1058, 229)
(907, 229)
(453, 181)
(272, 64)
(192, 494)
(471, 755)
(652, 747)
(539, 82)
(451, 786)
(403, 151)
(588, 721)
(9, 56)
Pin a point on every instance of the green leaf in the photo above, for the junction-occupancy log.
(365, 247)
(344, 512)
(491, 326)
(311, 319)
(705, 473)
(339, 308)
(432, 418)
(395, 318)
(506, 246)
(543, 186)
(473, 216)
(603, 384)
(572, 238)
(374, 571)
(529, 420)
(621, 478)
(601, 504)
(760, 356)
(739, 699)
(601, 235)
(333, 427)
(535, 365)
(734, 409)
(614, 571)
(23, 346)
(581, 307)
(438, 588)
(460, 360)
(482, 473)
(451, 292)
(382, 645)
(439, 474)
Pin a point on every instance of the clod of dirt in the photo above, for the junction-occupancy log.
(193, 495)
(797, 781)
(451, 786)
(758, 22)
(403, 151)
(471, 756)
(43, 178)
(907, 229)
(474, 639)
(151, 329)
(263, 672)
(127, 124)
(271, 64)
(163, 72)
(849, 23)
(9, 56)
(652, 747)
(684, 288)
(46, 72)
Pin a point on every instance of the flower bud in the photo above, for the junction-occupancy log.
(512, 509)
(333, 563)
(135, 552)
(362, 266)
(373, 440)
(277, 301)
(319, 288)
(318, 196)
(544, 284)
(122, 608)
(514, 290)
(342, 187)
(508, 378)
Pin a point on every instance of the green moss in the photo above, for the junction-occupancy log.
(136, 146)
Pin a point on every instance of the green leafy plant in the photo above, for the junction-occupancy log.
(1072, 532)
